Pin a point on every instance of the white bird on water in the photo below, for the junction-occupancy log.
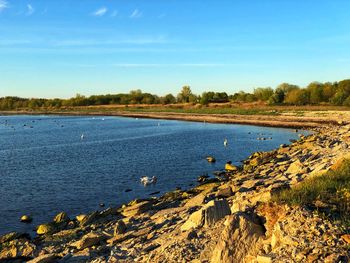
(82, 136)
(225, 142)
(145, 180)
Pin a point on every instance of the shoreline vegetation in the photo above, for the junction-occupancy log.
(316, 93)
(255, 214)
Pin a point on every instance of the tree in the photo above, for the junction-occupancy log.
(316, 92)
(281, 92)
(263, 94)
(329, 90)
(168, 99)
(185, 94)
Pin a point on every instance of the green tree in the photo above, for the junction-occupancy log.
(185, 94)
(263, 94)
(316, 92)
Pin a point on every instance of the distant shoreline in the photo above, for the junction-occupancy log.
(281, 121)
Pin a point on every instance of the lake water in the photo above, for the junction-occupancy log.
(46, 168)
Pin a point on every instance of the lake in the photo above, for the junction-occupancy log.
(47, 167)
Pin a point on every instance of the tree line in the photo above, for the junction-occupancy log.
(316, 93)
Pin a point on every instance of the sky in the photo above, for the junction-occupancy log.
(64, 47)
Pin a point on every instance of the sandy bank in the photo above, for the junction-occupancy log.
(312, 120)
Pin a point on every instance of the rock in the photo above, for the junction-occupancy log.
(198, 200)
(150, 247)
(202, 178)
(120, 238)
(88, 219)
(346, 238)
(295, 168)
(191, 235)
(26, 219)
(45, 229)
(224, 192)
(136, 209)
(88, 240)
(264, 259)
(61, 218)
(80, 218)
(195, 220)
(211, 159)
(215, 210)
(239, 207)
(110, 211)
(47, 258)
(16, 249)
(120, 228)
(13, 235)
(207, 215)
(239, 239)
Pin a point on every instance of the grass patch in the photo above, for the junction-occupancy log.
(328, 193)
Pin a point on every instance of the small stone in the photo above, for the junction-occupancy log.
(80, 218)
(45, 229)
(26, 219)
(61, 217)
(211, 159)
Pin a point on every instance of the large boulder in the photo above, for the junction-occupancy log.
(215, 210)
(207, 215)
(239, 239)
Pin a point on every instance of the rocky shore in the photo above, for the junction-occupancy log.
(226, 220)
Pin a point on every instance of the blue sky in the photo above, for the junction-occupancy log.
(60, 48)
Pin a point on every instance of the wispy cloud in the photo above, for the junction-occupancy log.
(3, 5)
(89, 42)
(100, 12)
(136, 14)
(30, 10)
(156, 65)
